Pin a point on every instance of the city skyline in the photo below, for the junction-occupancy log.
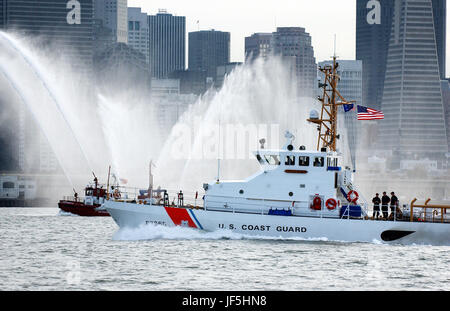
(242, 19)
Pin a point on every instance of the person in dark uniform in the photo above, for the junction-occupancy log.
(384, 205)
(376, 206)
(394, 204)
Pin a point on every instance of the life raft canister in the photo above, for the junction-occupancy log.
(331, 204)
(317, 204)
(353, 196)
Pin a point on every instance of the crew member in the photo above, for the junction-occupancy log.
(376, 206)
(384, 205)
(394, 204)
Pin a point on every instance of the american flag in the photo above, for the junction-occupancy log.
(365, 113)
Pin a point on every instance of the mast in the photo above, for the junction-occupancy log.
(150, 180)
(331, 100)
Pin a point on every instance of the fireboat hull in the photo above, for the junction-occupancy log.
(289, 227)
(81, 209)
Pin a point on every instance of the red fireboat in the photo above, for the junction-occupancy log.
(91, 205)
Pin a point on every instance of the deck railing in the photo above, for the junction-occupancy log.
(425, 207)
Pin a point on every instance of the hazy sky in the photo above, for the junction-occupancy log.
(321, 18)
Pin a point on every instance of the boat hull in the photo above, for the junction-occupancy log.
(347, 230)
(81, 209)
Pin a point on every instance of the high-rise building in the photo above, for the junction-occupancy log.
(2, 12)
(138, 34)
(113, 13)
(373, 28)
(191, 82)
(208, 49)
(167, 40)
(66, 24)
(257, 45)
(121, 66)
(440, 27)
(294, 45)
(350, 86)
(372, 43)
(223, 71)
(414, 123)
(63, 27)
(445, 85)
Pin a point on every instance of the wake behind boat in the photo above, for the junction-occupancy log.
(296, 194)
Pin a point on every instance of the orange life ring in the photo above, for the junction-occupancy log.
(317, 204)
(331, 204)
(353, 196)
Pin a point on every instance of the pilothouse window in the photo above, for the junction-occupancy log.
(260, 160)
(303, 161)
(272, 159)
(319, 162)
(290, 160)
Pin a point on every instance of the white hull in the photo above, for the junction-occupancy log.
(332, 229)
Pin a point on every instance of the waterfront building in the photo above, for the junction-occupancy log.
(414, 125)
(257, 45)
(167, 41)
(208, 49)
(191, 82)
(120, 67)
(138, 32)
(224, 70)
(169, 103)
(294, 45)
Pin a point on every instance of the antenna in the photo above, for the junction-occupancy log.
(218, 151)
(334, 45)
(218, 148)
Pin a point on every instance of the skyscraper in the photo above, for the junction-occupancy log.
(373, 28)
(167, 40)
(138, 33)
(113, 13)
(412, 98)
(208, 49)
(257, 45)
(440, 27)
(66, 24)
(372, 43)
(294, 45)
(445, 85)
(2, 12)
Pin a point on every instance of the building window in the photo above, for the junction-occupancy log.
(130, 26)
(8, 185)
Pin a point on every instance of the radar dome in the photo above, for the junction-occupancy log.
(314, 114)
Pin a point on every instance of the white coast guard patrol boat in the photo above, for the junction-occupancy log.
(296, 194)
